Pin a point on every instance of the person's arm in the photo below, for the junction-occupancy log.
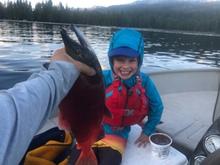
(25, 107)
(155, 111)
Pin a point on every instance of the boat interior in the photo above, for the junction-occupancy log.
(190, 98)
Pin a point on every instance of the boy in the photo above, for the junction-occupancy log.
(130, 96)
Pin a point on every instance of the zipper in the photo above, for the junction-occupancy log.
(126, 105)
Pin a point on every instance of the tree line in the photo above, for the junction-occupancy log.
(190, 16)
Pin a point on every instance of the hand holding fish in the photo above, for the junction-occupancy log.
(61, 55)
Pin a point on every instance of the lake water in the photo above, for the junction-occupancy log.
(25, 46)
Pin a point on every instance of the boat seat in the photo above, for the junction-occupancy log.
(182, 120)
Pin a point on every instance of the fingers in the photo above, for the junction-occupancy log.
(84, 68)
(61, 55)
(60, 51)
(142, 140)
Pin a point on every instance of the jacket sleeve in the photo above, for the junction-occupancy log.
(155, 106)
(26, 107)
(107, 77)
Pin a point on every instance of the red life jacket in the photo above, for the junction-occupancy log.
(128, 106)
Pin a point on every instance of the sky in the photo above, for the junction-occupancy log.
(83, 3)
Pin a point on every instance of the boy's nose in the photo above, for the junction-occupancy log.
(125, 65)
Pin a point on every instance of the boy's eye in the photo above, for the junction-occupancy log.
(132, 60)
(120, 59)
(125, 59)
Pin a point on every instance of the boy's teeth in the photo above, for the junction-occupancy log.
(125, 72)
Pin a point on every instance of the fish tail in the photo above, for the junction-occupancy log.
(87, 158)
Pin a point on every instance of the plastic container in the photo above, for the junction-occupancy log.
(160, 145)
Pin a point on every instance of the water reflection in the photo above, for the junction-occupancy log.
(24, 46)
(193, 48)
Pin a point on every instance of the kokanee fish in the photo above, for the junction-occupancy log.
(82, 110)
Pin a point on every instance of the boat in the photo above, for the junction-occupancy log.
(190, 98)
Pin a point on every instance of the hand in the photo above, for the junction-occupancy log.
(61, 55)
(142, 140)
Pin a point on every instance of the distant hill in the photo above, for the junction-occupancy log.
(187, 5)
(190, 15)
(170, 1)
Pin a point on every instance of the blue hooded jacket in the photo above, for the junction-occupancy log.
(132, 39)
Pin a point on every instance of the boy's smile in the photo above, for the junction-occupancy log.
(125, 67)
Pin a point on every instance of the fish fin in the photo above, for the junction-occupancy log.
(87, 158)
(107, 112)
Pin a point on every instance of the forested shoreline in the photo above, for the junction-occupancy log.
(188, 16)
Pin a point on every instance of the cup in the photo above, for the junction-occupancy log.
(160, 145)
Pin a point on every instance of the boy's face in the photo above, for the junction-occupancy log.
(125, 67)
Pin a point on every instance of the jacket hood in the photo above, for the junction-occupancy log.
(126, 42)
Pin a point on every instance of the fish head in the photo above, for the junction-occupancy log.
(71, 46)
(80, 50)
